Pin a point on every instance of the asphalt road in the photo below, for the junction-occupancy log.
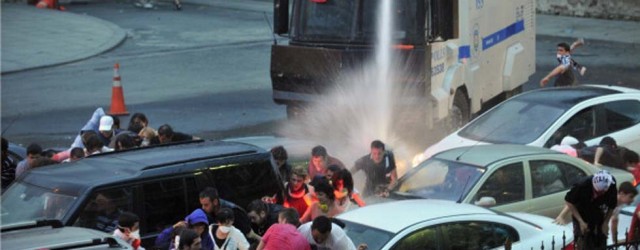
(205, 71)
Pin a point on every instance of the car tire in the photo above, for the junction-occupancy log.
(460, 111)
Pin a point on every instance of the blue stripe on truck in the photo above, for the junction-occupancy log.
(502, 34)
(464, 51)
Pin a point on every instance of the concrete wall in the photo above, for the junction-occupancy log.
(608, 9)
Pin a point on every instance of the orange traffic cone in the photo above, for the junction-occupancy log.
(117, 94)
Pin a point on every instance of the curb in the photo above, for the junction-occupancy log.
(117, 38)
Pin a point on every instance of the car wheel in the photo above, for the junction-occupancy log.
(460, 111)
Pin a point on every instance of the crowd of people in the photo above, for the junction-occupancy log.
(595, 202)
(102, 133)
(302, 217)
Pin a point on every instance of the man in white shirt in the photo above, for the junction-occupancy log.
(325, 235)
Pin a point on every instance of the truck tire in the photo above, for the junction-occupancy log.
(460, 111)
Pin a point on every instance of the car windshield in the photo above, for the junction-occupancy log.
(515, 121)
(24, 202)
(439, 179)
(350, 21)
(373, 237)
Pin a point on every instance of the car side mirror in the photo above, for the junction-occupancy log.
(486, 201)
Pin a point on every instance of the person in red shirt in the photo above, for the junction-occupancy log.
(284, 235)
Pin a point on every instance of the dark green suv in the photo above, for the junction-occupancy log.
(160, 184)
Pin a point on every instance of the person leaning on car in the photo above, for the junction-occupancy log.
(591, 203)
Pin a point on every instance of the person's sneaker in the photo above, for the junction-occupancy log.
(582, 70)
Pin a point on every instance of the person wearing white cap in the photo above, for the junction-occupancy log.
(107, 130)
(591, 203)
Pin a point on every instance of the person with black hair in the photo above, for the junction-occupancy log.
(262, 215)
(280, 156)
(225, 236)
(128, 229)
(211, 203)
(379, 167)
(320, 160)
(323, 234)
(324, 206)
(33, 151)
(564, 69)
(344, 191)
(188, 239)
(167, 135)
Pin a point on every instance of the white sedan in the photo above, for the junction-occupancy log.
(438, 224)
(543, 117)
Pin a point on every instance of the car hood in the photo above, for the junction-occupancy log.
(449, 142)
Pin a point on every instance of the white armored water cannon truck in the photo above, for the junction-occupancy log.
(464, 55)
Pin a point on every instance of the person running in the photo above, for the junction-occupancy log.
(379, 167)
(563, 71)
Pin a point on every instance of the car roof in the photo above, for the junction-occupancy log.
(485, 154)
(397, 215)
(52, 237)
(570, 96)
(121, 166)
(295, 147)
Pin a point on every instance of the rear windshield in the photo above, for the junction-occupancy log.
(24, 202)
(351, 21)
(514, 121)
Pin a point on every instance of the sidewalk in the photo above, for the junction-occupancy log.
(35, 38)
(626, 32)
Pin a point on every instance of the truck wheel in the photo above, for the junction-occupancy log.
(460, 111)
(294, 111)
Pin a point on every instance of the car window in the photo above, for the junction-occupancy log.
(477, 235)
(505, 185)
(25, 202)
(373, 237)
(546, 178)
(439, 179)
(581, 126)
(164, 204)
(104, 207)
(621, 114)
(425, 238)
(514, 121)
(238, 182)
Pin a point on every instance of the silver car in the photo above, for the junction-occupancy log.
(508, 178)
(50, 234)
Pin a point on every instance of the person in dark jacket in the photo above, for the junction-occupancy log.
(197, 221)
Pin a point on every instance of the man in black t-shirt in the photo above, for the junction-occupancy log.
(167, 135)
(211, 203)
(591, 203)
(379, 167)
